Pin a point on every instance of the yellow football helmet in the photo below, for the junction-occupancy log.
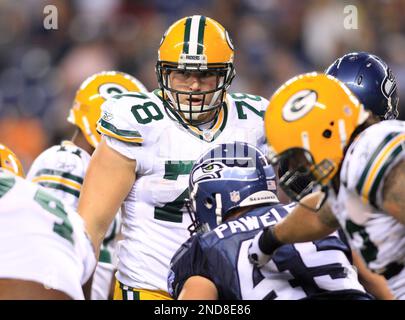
(195, 44)
(308, 124)
(10, 162)
(86, 109)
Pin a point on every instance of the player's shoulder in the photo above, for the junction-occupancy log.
(371, 155)
(197, 249)
(60, 161)
(67, 148)
(380, 132)
(130, 117)
(247, 97)
(16, 192)
(246, 103)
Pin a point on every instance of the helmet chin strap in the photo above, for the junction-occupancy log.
(218, 209)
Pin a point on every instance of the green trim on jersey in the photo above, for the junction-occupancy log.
(58, 186)
(372, 195)
(6, 184)
(59, 173)
(222, 127)
(123, 133)
(197, 135)
(374, 187)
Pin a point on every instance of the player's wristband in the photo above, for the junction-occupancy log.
(268, 241)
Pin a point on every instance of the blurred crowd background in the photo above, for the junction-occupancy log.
(40, 69)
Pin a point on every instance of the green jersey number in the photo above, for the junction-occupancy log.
(145, 113)
(55, 206)
(172, 211)
(369, 250)
(243, 104)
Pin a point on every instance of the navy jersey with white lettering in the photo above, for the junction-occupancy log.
(296, 271)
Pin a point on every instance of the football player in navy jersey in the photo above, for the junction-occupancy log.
(232, 197)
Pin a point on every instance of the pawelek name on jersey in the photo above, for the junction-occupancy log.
(300, 271)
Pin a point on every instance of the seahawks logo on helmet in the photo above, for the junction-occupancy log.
(206, 171)
(389, 84)
(299, 105)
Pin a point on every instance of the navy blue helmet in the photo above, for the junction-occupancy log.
(371, 80)
(227, 177)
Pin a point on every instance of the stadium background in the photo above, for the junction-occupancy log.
(40, 69)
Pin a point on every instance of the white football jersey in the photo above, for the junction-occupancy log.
(41, 238)
(154, 219)
(378, 237)
(61, 169)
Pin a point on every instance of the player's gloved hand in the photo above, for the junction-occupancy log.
(263, 246)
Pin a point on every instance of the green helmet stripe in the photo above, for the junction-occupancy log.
(201, 29)
(187, 35)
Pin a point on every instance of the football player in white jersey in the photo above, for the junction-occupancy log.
(374, 84)
(61, 168)
(150, 143)
(44, 250)
(358, 166)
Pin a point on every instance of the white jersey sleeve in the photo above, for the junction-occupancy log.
(61, 169)
(128, 122)
(42, 239)
(371, 157)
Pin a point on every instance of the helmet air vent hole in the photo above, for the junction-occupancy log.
(327, 133)
(208, 203)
